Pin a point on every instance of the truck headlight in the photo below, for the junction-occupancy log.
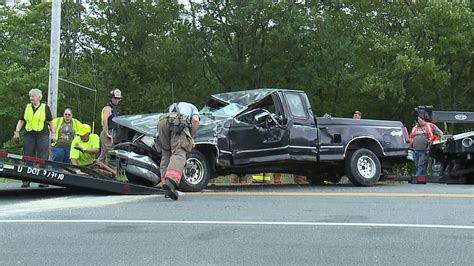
(467, 142)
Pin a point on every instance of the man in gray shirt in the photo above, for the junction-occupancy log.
(422, 134)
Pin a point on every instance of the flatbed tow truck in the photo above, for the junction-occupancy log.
(33, 169)
(452, 158)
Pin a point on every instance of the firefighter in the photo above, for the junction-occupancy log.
(422, 135)
(39, 129)
(266, 178)
(66, 128)
(176, 130)
(108, 126)
(262, 178)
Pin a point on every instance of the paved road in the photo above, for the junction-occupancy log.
(259, 225)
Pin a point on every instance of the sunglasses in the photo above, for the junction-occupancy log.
(67, 114)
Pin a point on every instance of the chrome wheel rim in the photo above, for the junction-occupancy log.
(366, 167)
(193, 171)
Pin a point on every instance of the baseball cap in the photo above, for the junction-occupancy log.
(84, 129)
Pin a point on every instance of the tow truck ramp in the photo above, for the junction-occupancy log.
(33, 169)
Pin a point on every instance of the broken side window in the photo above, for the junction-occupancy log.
(296, 104)
(269, 106)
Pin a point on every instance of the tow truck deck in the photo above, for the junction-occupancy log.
(33, 169)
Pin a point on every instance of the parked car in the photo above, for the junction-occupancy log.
(266, 130)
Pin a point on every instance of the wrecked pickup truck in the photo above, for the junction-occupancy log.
(266, 130)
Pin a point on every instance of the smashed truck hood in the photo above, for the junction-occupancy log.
(234, 102)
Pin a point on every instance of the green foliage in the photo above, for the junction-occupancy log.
(24, 53)
(143, 49)
(13, 146)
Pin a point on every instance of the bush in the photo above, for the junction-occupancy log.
(13, 146)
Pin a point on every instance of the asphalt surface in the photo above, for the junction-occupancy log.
(429, 224)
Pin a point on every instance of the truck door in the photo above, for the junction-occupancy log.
(260, 134)
(303, 129)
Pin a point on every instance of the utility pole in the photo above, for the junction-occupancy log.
(54, 56)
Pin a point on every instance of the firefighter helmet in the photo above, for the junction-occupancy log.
(115, 93)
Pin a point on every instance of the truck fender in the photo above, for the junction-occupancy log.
(367, 142)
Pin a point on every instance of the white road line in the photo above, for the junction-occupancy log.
(61, 203)
(427, 226)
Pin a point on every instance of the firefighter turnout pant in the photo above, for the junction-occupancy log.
(174, 144)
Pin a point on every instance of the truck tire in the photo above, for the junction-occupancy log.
(362, 167)
(196, 174)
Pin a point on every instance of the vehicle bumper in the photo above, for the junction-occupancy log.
(136, 164)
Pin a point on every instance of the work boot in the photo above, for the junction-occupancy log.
(25, 184)
(42, 185)
(170, 188)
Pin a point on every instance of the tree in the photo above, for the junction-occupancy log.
(24, 53)
(143, 49)
(242, 41)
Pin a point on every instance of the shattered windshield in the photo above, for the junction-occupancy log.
(225, 111)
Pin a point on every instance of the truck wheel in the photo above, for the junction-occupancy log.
(196, 174)
(363, 167)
